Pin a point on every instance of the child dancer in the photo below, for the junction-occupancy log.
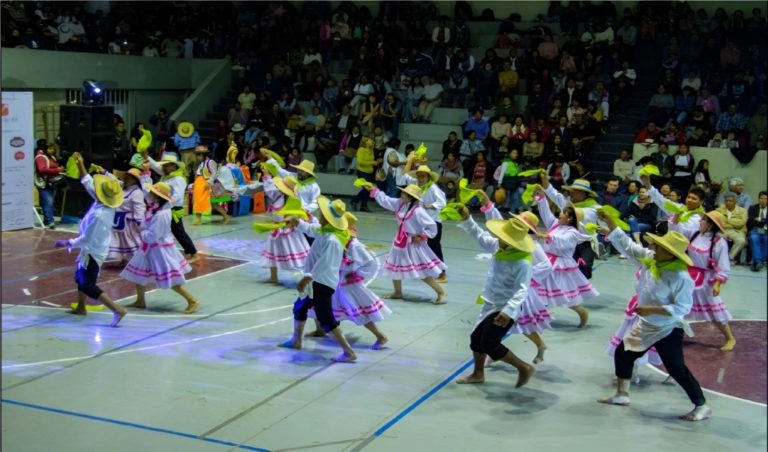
(126, 230)
(710, 269)
(566, 285)
(205, 176)
(410, 256)
(322, 271)
(505, 289)
(631, 320)
(93, 241)
(665, 295)
(286, 248)
(158, 261)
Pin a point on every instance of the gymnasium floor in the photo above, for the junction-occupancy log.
(215, 380)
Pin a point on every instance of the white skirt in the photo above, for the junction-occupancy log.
(286, 249)
(162, 265)
(415, 261)
(125, 242)
(534, 316)
(565, 285)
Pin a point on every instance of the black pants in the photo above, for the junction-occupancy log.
(321, 301)
(670, 351)
(584, 251)
(177, 229)
(434, 242)
(486, 338)
(86, 279)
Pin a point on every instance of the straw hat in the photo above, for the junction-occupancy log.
(286, 185)
(238, 128)
(425, 169)
(202, 149)
(333, 212)
(530, 219)
(717, 218)
(185, 129)
(306, 166)
(161, 189)
(674, 242)
(583, 185)
(137, 161)
(134, 172)
(108, 190)
(169, 157)
(351, 219)
(413, 191)
(514, 232)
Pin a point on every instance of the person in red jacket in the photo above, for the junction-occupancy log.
(650, 132)
(47, 170)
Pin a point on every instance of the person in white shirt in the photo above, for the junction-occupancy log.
(433, 94)
(393, 163)
(322, 271)
(665, 295)
(624, 166)
(246, 98)
(94, 239)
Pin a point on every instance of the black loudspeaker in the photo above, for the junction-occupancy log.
(88, 130)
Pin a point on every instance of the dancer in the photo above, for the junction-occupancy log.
(322, 271)
(126, 230)
(711, 267)
(205, 178)
(172, 170)
(410, 257)
(158, 261)
(631, 320)
(566, 285)
(286, 248)
(353, 300)
(683, 218)
(665, 296)
(93, 241)
(506, 287)
(432, 200)
(307, 188)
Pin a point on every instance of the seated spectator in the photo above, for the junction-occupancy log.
(650, 132)
(480, 173)
(683, 104)
(692, 81)
(642, 215)
(326, 144)
(731, 120)
(672, 135)
(708, 102)
(348, 146)
(369, 113)
(609, 195)
(757, 224)
(719, 142)
(500, 128)
(246, 98)
(390, 111)
(556, 112)
(316, 118)
(558, 171)
(601, 98)
(518, 133)
(458, 87)
(506, 108)
(661, 105)
(252, 133)
(736, 186)
(681, 169)
(469, 148)
(452, 145)
(533, 149)
(624, 166)
(478, 124)
(735, 228)
(430, 99)
(451, 168)
(508, 79)
(699, 138)
(701, 174)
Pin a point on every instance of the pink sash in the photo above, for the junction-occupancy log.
(698, 275)
(630, 310)
(401, 238)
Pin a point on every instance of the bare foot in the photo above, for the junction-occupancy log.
(77, 311)
(728, 346)
(344, 358)
(226, 219)
(192, 259)
(616, 399)
(191, 307)
(488, 361)
(394, 296)
(698, 414)
(196, 221)
(583, 318)
(441, 298)
(137, 304)
(379, 344)
(524, 375)
(668, 381)
(118, 316)
(471, 379)
(540, 355)
(290, 343)
(271, 281)
(316, 333)
(442, 279)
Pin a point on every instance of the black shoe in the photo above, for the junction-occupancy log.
(342, 171)
(755, 267)
(365, 209)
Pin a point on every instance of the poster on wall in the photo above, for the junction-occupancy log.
(17, 150)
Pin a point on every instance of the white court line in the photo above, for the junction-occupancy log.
(149, 347)
(727, 396)
(164, 316)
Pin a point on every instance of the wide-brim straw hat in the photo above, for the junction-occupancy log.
(137, 161)
(306, 166)
(238, 128)
(172, 158)
(161, 189)
(513, 232)
(185, 129)
(717, 218)
(333, 212)
(134, 172)
(530, 219)
(425, 169)
(351, 219)
(286, 185)
(413, 191)
(108, 190)
(583, 185)
(674, 242)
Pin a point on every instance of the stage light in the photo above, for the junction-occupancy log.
(93, 93)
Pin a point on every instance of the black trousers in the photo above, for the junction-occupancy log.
(434, 242)
(584, 252)
(177, 229)
(486, 338)
(321, 301)
(670, 351)
(86, 279)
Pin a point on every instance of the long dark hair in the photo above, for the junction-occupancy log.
(700, 169)
(713, 228)
(570, 211)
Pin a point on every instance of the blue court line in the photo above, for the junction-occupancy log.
(131, 425)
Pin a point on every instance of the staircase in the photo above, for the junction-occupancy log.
(207, 127)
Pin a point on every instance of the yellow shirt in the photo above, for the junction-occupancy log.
(365, 160)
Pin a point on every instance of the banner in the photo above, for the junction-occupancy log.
(17, 149)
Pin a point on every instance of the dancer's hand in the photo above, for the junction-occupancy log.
(501, 319)
(716, 288)
(302, 285)
(464, 212)
(417, 239)
(292, 221)
(62, 243)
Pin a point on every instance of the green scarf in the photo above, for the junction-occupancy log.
(512, 254)
(343, 235)
(589, 202)
(668, 266)
(512, 168)
(682, 212)
(177, 215)
(426, 186)
(178, 173)
(307, 181)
